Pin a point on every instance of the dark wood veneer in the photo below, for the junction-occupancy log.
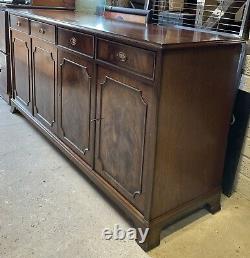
(76, 92)
(204, 111)
(44, 68)
(135, 59)
(43, 31)
(76, 41)
(20, 23)
(123, 133)
(3, 35)
(21, 69)
(150, 36)
(143, 111)
(4, 76)
(54, 3)
(5, 87)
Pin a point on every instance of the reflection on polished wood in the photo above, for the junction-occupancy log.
(54, 3)
(152, 34)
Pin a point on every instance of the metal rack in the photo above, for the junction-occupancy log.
(220, 16)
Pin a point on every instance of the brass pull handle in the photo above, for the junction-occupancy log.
(18, 24)
(42, 31)
(122, 56)
(73, 41)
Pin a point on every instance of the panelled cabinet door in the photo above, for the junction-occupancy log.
(3, 31)
(3, 76)
(122, 128)
(21, 61)
(44, 82)
(76, 104)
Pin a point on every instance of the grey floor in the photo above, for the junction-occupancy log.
(47, 209)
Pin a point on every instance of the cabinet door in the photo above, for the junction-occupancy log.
(76, 104)
(44, 82)
(3, 76)
(21, 72)
(3, 31)
(124, 112)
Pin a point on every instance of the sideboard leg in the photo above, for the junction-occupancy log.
(153, 239)
(214, 206)
(13, 109)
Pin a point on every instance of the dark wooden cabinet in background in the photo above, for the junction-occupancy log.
(143, 111)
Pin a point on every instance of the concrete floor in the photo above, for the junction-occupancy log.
(47, 209)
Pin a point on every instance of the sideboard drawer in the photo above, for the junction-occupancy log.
(43, 31)
(19, 23)
(134, 59)
(80, 42)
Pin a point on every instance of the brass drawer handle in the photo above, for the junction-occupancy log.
(42, 31)
(73, 41)
(122, 56)
(18, 24)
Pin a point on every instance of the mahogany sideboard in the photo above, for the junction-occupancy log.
(143, 111)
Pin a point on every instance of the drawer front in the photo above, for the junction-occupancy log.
(80, 42)
(19, 23)
(43, 31)
(137, 60)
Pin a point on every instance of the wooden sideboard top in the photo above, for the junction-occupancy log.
(150, 35)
